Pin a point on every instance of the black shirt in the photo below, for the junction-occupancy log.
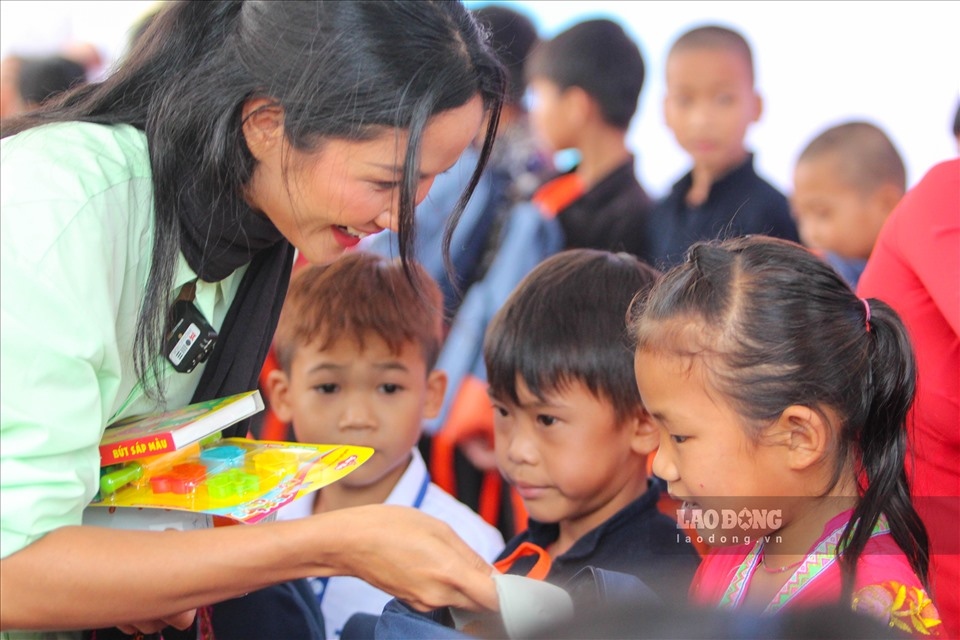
(611, 216)
(638, 540)
(740, 203)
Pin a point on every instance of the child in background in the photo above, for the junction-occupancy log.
(356, 367)
(570, 434)
(778, 391)
(517, 166)
(584, 86)
(710, 103)
(845, 183)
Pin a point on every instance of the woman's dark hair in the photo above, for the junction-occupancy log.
(775, 326)
(566, 322)
(338, 69)
(512, 35)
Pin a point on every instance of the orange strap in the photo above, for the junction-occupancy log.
(558, 194)
(471, 414)
(540, 568)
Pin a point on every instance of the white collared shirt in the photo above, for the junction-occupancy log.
(342, 596)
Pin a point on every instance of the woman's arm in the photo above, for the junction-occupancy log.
(87, 577)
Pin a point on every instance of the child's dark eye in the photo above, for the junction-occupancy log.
(546, 420)
(390, 388)
(386, 186)
(502, 411)
(679, 439)
(327, 388)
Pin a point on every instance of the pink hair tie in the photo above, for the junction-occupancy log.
(866, 305)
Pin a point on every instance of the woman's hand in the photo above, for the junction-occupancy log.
(412, 556)
(400, 550)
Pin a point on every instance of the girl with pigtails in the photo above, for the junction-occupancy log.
(778, 391)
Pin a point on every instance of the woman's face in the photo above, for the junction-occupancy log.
(324, 201)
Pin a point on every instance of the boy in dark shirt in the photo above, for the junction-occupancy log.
(584, 86)
(710, 103)
(570, 433)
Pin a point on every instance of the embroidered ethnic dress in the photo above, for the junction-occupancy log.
(885, 587)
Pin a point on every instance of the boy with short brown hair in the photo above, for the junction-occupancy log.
(356, 367)
(710, 103)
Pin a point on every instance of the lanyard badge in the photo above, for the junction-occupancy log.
(190, 339)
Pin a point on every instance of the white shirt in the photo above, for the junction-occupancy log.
(342, 596)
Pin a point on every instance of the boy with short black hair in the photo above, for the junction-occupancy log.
(356, 367)
(571, 434)
(585, 84)
(709, 105)
(846, 182)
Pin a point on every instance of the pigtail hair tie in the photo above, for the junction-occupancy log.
(866, 306)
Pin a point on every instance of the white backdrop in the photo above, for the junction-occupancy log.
(32, 27)
(896, 63)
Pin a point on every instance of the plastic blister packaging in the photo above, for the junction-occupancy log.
(244, 480)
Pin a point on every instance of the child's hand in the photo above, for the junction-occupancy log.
(180, 621)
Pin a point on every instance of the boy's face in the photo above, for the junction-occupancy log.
(832, 214)
(369, 397)
(710, 102)
(553, 113)
(569, 458)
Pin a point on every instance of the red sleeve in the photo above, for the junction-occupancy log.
(922, 237)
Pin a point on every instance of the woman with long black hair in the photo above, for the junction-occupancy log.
(233, 134)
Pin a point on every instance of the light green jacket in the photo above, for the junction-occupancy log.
(76, 232)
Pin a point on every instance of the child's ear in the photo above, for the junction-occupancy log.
(757, 107)
(645, 437)
(278, 394)
(806, 435)
(262, 127)
(885, 198)
(436, 389)
(578, 104)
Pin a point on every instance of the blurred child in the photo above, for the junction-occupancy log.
(27, 82)
(710, 103)
(517, 166)
(781, 400)
(956, 127)
(585, 84)
(499, 238)
(570, 433)
(356, 367)
(11, 104)
(41, 79)
(845, 183)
